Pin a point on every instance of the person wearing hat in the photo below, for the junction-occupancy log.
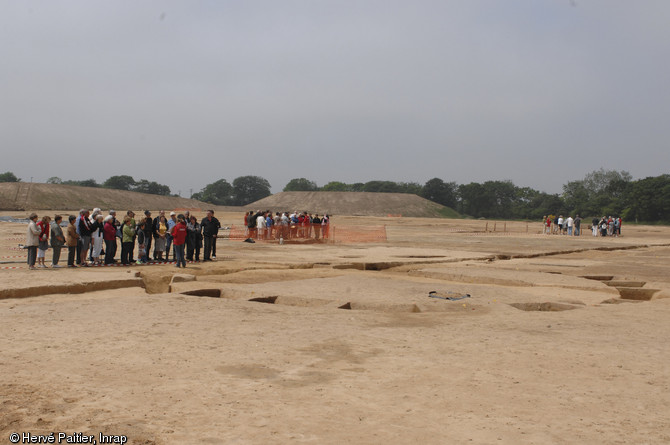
(32, 240)
(116, 224)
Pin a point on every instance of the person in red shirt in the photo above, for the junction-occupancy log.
(179, 233)
(109, 236)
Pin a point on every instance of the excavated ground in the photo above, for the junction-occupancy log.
(444, 334)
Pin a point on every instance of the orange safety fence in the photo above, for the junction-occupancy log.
(314, 232)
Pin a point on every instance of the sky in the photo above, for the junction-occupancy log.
(539, 92)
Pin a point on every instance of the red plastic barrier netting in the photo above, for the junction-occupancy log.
(330, 233)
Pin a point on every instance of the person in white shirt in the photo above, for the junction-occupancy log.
(260, 226)
(569, 222)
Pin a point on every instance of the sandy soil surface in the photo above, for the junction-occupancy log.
(341, 343)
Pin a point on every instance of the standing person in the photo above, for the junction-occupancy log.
(72, 241)
(187, 219)
(57, 240)
(578, 225)
(161, 241)
(109, 237)
(209, 230)
(171, 222)
(217, 226)
(148, 230)
(179, 233)
(594, 226)
(97, 237)
(43, 245)
(246, 223)
(610, 226)
(548, 224)
(195, 237)
(251, 225)
(325, 226)
(569, 223)
(154, 228)
(283, 227)
(308, 225)
(141, 241)
(133, 225)
(79, 242)
(260, 226)
(85, 231)
(316, 223)
(116, 224)
(93, 219)
(127, 241)
(32, 240)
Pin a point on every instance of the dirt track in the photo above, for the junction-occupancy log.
(353, 350)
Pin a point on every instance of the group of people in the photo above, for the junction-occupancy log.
(91, 238)
(606, 226)
(557, 225)
(263, 225)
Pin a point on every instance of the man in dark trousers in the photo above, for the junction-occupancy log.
(210, 227)
(216, 232)
(148, 230)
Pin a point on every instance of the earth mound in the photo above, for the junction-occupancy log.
(354, 204)
(16, 196)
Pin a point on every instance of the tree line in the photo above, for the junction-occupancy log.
(120, 182)
(601, 192)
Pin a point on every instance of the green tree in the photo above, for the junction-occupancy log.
(8, 177)
(600, 192)
(649, 200)
(382, 187)
(600, 181)
(151, 187)
(413, 188)
(217, 193)
(336, 186)
(248, 189)
(474, 200)
(54, 180)
(532, 204)
(82, 183)
(445, 193)
(301, 185)
(122, 182)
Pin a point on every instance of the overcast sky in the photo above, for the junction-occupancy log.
(188, 92)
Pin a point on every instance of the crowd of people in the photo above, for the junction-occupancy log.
(557, 225)
(263, 225)
(93, 238)
(606, 226)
